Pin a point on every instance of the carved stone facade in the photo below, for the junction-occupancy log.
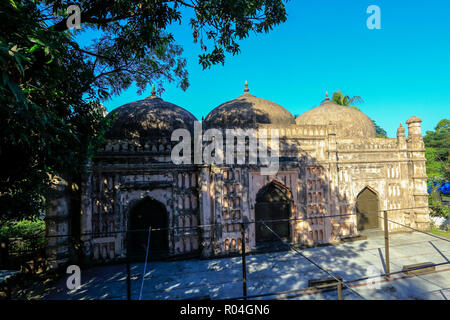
(323, 168)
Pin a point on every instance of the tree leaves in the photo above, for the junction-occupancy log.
(437, 144)
(50, 85)
(339, 98)
(44, 124)
(381, 133)
(225, 22)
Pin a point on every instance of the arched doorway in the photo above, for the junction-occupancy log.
(273, 202)
(145, 214)
(367, 209)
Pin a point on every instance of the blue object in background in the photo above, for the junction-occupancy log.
(445, 188)
(442, 189)
(430, 185)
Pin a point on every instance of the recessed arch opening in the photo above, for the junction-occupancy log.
(147, 213)
(273, 202)
(367, 207)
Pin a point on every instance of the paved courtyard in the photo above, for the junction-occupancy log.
(275, 272)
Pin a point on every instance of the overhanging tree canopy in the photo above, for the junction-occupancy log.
(50, 120)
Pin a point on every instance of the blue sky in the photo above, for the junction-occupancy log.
(401, 70)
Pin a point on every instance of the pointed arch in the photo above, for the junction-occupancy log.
(281, 191)
(370, 188)
(143, 214)
(273, 202)
(367, 207)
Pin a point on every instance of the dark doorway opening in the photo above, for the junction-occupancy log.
(145, 214)
(367, 210)
(273, 202)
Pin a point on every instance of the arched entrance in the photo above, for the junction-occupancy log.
(367, 209)
(273, 202)
(145, 214)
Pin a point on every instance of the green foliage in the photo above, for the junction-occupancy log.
(29, 234)
(134, 45)
(46, 126)
(439, 232)
(224, 22)
(437, 145)
(435, 168)
(343, 100)
(22, 228)
(381, 133)
(437, 148)
(438, 209)
(51, 86)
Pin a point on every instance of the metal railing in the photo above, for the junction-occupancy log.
(339, 284)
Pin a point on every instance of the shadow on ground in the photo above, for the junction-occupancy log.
(272, 272)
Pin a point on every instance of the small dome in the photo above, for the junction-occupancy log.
(246, 111)
(149, 119)
(348, 122)
(413, 119)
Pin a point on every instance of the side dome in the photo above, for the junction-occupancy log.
(247, 111)
(348, 122)
(149, 119)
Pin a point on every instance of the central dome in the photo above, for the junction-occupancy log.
(247, 111)
(348, 121)
(150, 119)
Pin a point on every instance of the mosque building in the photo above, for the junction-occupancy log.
(335, 177)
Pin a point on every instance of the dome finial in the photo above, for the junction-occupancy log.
(326, 98)
(246, 87)
(153, 90)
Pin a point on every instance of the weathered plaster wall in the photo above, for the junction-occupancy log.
(323, 172)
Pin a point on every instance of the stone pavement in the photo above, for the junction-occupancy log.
(275, 272)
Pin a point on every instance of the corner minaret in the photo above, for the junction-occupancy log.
(419, 195)
(414, 132)
(401, 137)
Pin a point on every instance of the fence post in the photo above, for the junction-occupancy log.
(386, 243)
(339, 290)
(128, 266)
(4, 253)
(244, 267)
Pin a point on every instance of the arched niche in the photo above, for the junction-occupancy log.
(367, 207)
(273, 202)
(145, 214)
